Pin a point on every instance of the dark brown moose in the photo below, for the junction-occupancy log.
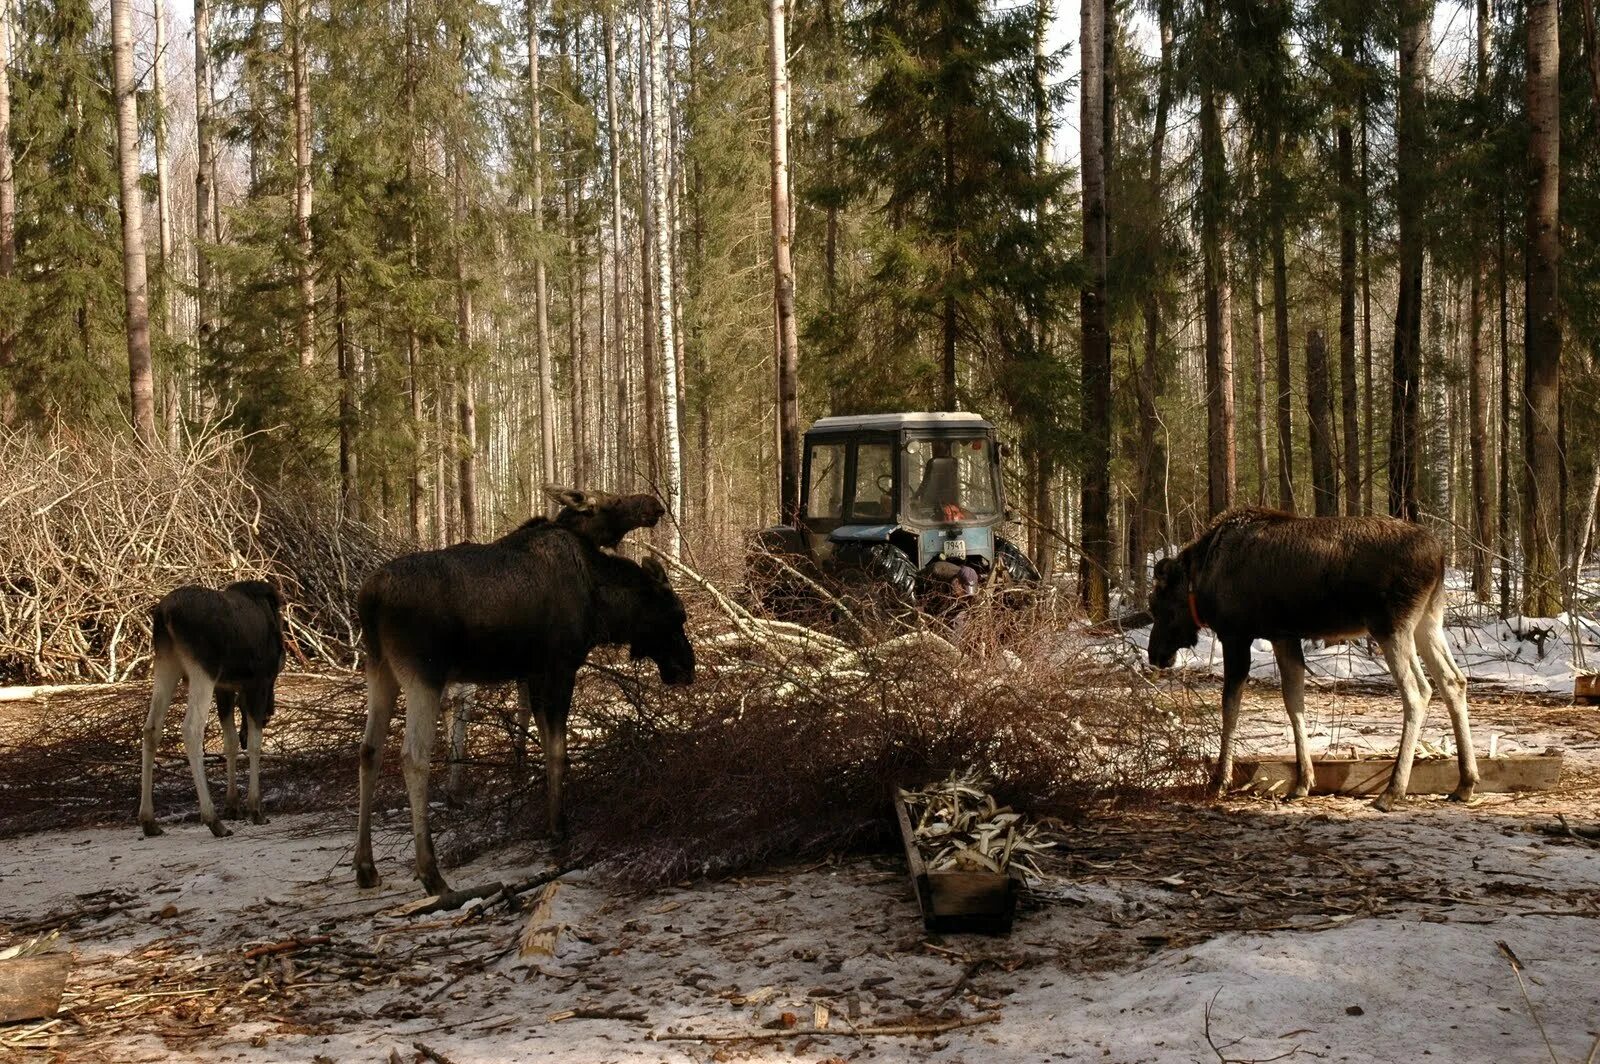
(528, 608)
(1262, 574)
(229, 645)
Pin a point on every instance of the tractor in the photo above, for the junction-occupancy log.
(902, 510)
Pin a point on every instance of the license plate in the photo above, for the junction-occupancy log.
(955, 548)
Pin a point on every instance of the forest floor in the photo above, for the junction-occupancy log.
(1244, 930)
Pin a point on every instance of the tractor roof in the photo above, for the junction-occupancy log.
(960, 419)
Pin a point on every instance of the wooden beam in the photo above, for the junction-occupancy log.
(1343, 775)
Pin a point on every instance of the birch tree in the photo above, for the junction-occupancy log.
(136, 291)
(783, 274)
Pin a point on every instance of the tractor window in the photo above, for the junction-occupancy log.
(950, 479)
(874, 495)
(825, 500)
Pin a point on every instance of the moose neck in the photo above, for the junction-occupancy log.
(620, 595)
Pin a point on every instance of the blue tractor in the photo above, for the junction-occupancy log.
(903, 508)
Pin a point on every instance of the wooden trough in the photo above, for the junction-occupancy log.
(31, 987)
(958, 901)
(1586, 689)
(1361, 776)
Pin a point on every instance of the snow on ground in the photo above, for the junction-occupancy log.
(1319, 929)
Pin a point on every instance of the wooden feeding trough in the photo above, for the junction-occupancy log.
(1586, 689)
(958, 900)
(1363, 776)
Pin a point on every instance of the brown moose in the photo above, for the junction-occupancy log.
(1262, 574)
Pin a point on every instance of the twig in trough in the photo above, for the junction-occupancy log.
(905, 1030)
(1516, 970)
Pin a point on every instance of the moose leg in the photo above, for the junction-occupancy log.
(1452, 684)
(167, 674)
(1235, 670)
(524, 711)
(461, 707)
(258, 710)
(416, 756)
(553, 708)
(1292, 669)
(201, 691)
(1400, 651)
(230, 753)
(381, 694)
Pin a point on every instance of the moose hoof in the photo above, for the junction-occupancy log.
(219, 829)
(1462, 793)
(150, 828)
(367, 876)
(230, 811)
(1385, 802)
(257, 817)
(1298, 794)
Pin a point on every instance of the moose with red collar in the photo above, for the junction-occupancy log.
(1256, 573)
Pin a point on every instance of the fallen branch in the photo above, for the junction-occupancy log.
(895, 1031)
(287, 946)
(431, 1053)
(631, 1015)
(1516, 970)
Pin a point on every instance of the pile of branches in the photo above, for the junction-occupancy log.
(96, 530)
(790, 739)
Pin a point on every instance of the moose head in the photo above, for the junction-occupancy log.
(658, 628)
(1176, 621)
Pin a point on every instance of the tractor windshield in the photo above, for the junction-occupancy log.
(950, 478)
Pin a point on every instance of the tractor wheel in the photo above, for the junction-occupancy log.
(1018, 569)
(879, 575)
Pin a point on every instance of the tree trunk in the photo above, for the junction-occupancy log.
(1591, 48)
(8, 218)
(1280, 340)
(624, 449)
(305, 281)
(349, 501)
(577, 421)
(466, 392)
(1096, 502)
(666, 313)
(1405, 442)
(204, 179)
(1480, 369)
(649, 334)
(1221, 476)
(1503, 531)
(1258, 347)
(1541, 371)
(541, 296)
(783, 274)
(948, 378)
(166, 274)
(1152, 448)
(1348, 199)
(135, 286)
(1319, 410)
(1369, 475)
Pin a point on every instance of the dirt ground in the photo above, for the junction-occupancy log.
(1242, 931)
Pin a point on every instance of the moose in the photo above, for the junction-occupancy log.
(229, 645)
(1257, 573)
(527, 607)
(599, 517)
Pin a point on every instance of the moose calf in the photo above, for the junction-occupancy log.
(229, 645)
(1262, 574)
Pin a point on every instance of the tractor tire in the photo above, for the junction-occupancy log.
(882, 574)
(1018, 569)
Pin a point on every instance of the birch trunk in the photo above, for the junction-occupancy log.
(305, 280)
(135, 285)
(1096, 492)
(8, 216)
(541, 296)
(783, 275)
(665, 297)
(1480, 369)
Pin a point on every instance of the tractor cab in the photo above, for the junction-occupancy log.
(912, 501)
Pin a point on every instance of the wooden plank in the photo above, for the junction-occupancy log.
(1586, 689)
(1343, 775)
(914, 862)
(31, 987)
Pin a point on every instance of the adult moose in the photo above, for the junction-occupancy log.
(229, 645)
(528, 607)
(1262, 574)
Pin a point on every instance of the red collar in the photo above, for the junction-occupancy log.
(1194, 612)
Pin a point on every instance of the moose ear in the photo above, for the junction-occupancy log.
(579, 501)
(657, 572)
